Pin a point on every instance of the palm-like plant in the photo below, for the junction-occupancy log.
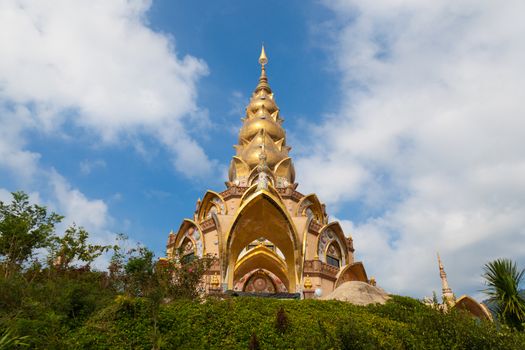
(503, 279)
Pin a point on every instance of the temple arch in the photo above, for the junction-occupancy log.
(251, 282)
(211, 200)
(311, 207)
(263, 215)
(470, 305)
(189, 229)
(265, 258)
(351, 272)
(332, 233)
(253, 189)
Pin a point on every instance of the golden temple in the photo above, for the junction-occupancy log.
(267, 237)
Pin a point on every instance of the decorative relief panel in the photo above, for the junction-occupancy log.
(282, 182)
(219, 204)
(327, 237)
(195, 236)
(304, 205)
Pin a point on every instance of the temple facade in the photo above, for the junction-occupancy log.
(266, 236)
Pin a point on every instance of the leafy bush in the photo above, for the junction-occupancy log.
(242, 323)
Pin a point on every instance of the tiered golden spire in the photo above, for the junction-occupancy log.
(262, 130)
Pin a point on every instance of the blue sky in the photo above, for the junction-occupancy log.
(405, 118)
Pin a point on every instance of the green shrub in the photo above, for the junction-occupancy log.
(234, 324)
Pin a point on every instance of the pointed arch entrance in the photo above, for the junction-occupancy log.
(263, 215)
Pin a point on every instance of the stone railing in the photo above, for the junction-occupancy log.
(319, 268)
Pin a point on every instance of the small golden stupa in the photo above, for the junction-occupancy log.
(267, 237)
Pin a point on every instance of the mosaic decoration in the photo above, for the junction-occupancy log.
(219, 203)
(306, 203)
(332, 251)
(188, 247)
(327, 237)
(217, 207)
(282, 182)
(213, 210)
(194, 235)
(260, 281)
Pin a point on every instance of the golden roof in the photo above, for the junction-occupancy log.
(261, 129)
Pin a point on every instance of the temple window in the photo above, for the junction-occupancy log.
(333, 255)
(188, 251)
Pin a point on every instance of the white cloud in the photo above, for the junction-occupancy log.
(73, 204)
(87, 165)
(430, 130)
(13, 157)
(92, 68)
(97, 65)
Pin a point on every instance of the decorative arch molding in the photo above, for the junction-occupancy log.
(220, 252)
(277, 226)
(311, 207)
(191, 230)
(211, 200)
(241, 283)
(262, 257)
(285, 170)
(329, 234)
(470, 305)
(254, 173)
(253, 189)
(352, 272)
(305, 243)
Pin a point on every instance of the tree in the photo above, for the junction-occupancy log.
(138, 274)
(503, 280)
(24, 228)
(73, 246)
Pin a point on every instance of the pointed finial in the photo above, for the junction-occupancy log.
(447, 294)
(262, 58)
(263, 80)
(439, 262)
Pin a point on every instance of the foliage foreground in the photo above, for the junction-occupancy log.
(256, 323)
(57, 301)
(503, 280)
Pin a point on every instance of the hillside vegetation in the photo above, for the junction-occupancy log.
(58, 301)
(95, 321)
(243, 323)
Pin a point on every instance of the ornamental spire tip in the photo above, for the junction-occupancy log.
(262, 58)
